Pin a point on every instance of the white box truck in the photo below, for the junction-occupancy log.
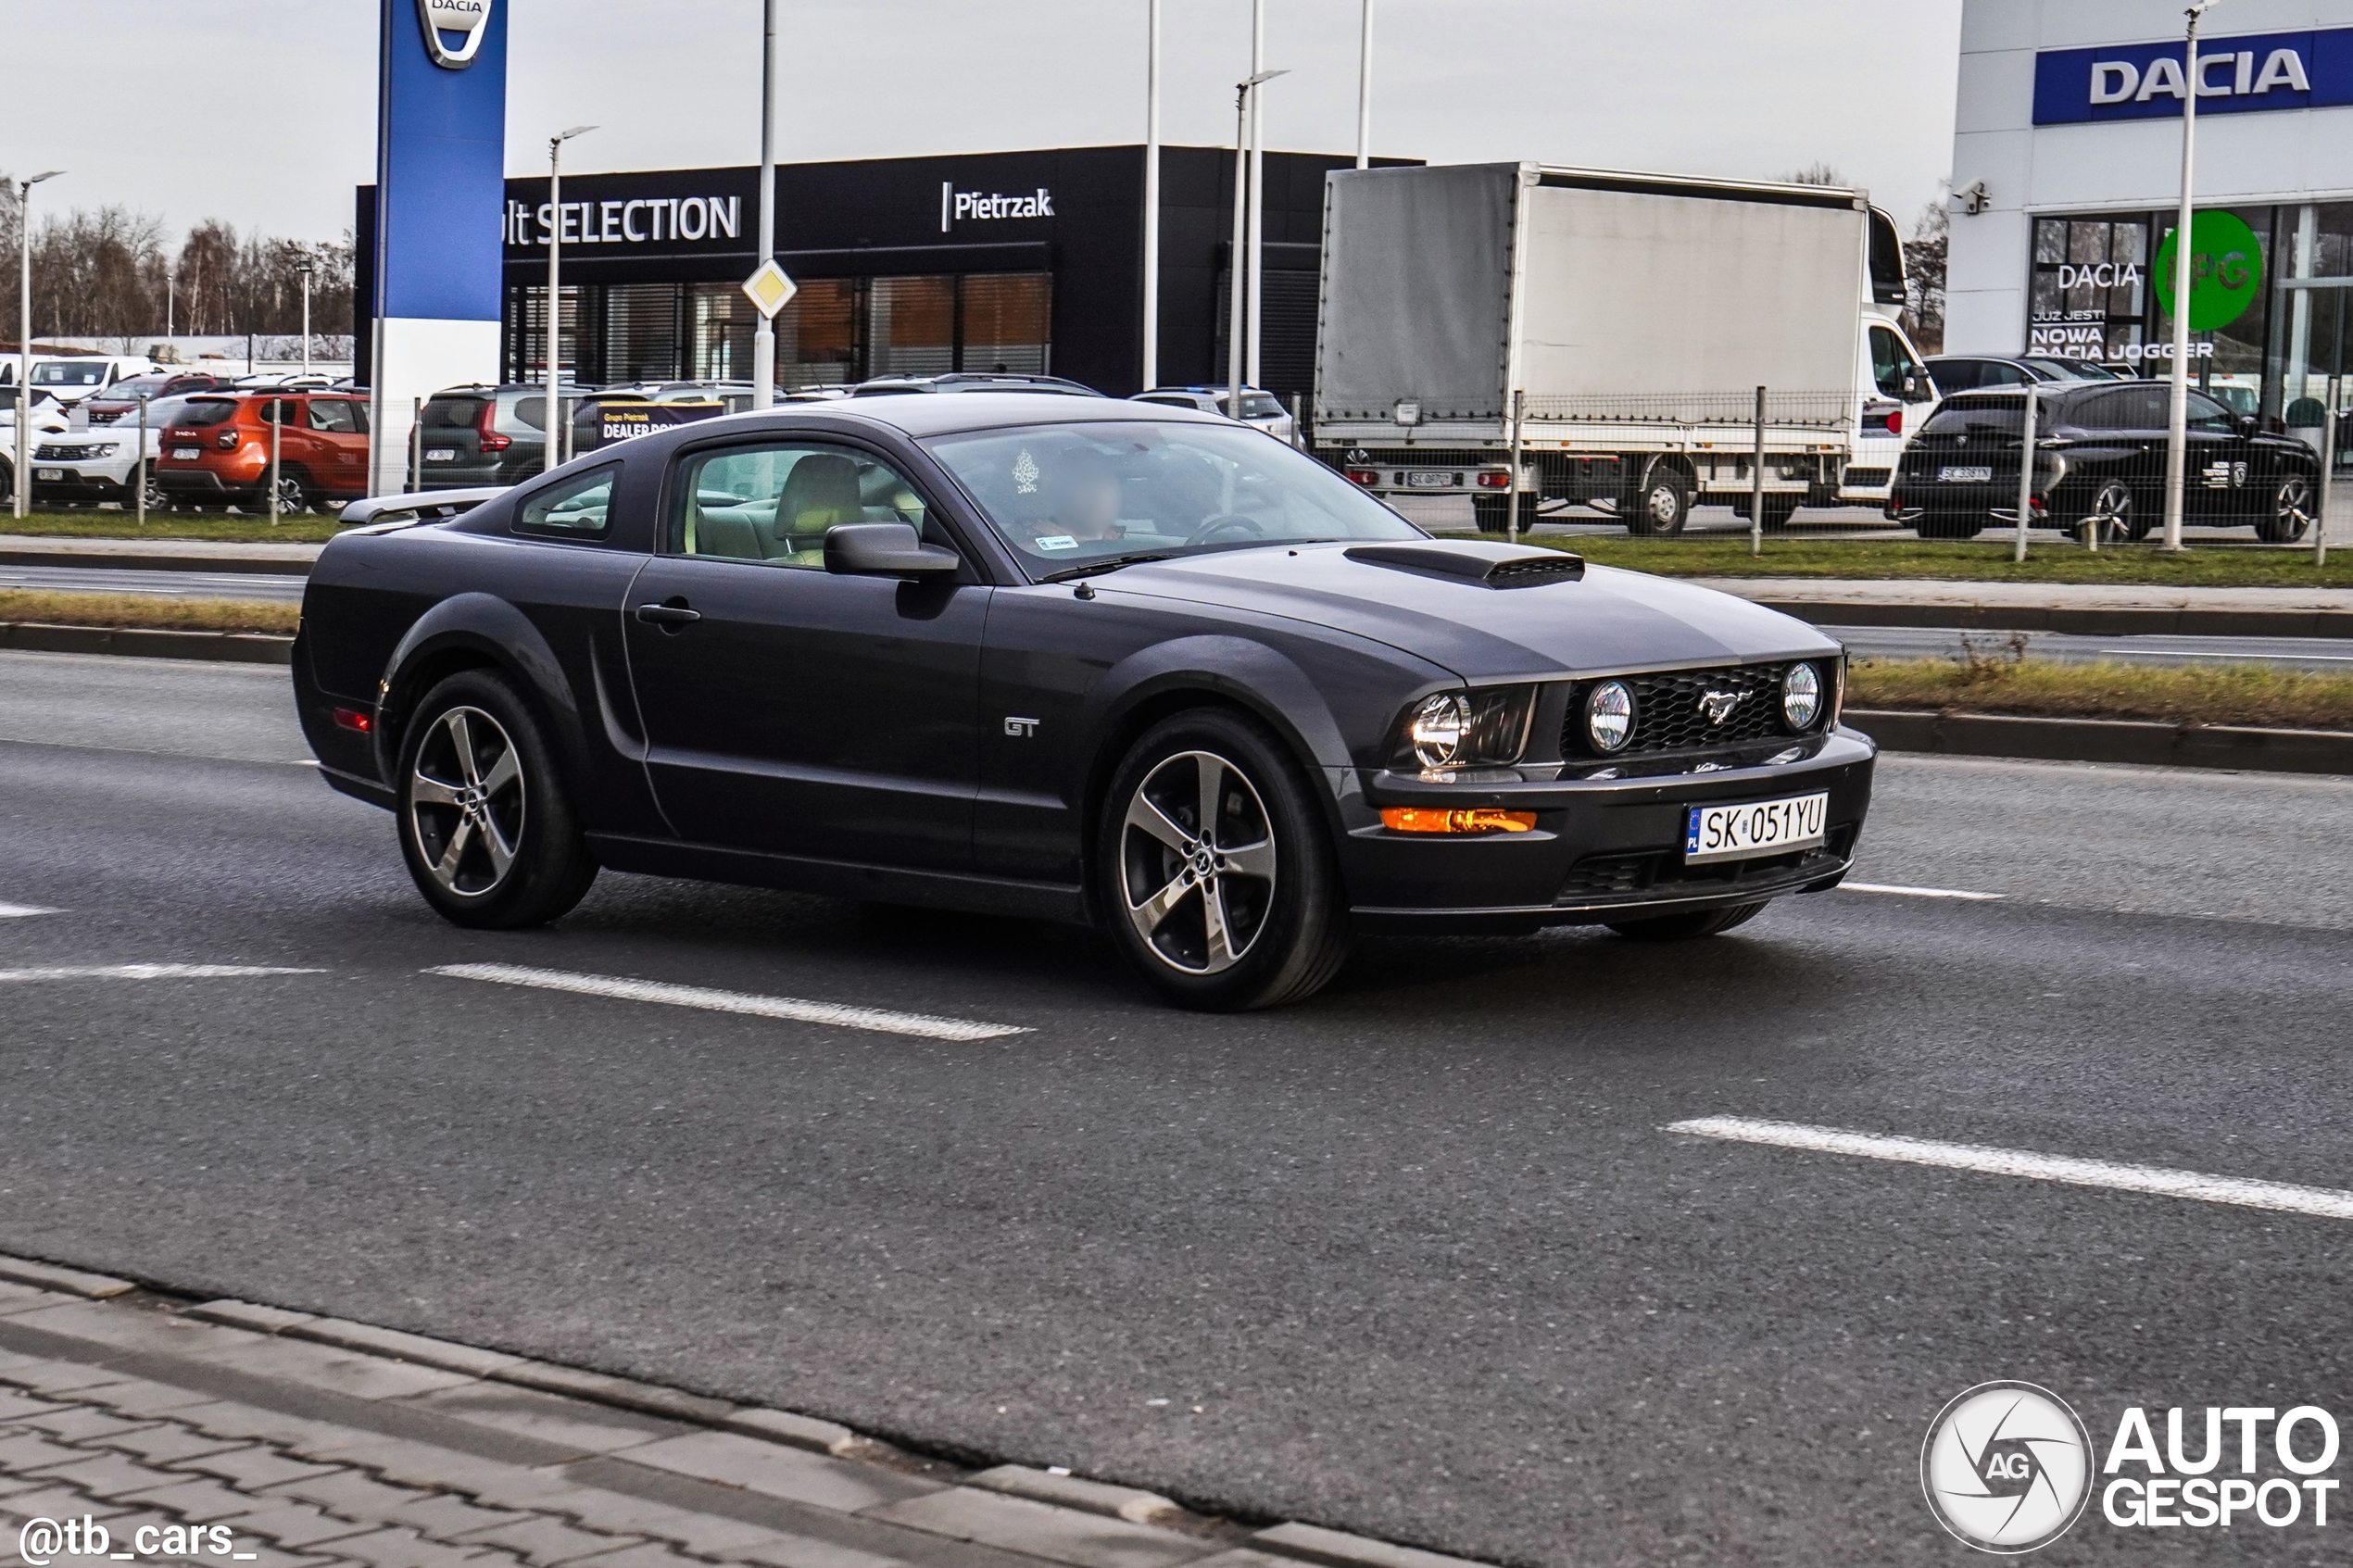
(1634, 315)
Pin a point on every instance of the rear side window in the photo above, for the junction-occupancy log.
(333, 414)
(573, 510)
(205, 412)
(2143, 408)
(1976, 416)
(278, 410)
(532, 411)
(452, 413)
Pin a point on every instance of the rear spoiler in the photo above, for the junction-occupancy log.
(423, 506)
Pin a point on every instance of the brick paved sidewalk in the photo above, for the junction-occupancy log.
(286, 1441)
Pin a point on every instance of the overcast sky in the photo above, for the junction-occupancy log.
(263, 111)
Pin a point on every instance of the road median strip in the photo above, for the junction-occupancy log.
(368, 1418)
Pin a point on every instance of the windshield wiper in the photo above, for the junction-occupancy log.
(1109, 563)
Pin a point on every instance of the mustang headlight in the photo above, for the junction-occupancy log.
(1468, 728)
(1802, 696)
(1609, 716)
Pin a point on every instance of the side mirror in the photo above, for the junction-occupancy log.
(2248, 425)
(884, 549)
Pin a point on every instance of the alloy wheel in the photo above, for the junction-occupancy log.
(2291, 510)
(466, 802)
(1197, 862)
(291, 498)
(2111, 511)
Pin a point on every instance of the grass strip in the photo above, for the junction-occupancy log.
(2209, 566)
(2227, 693)
(299, 529)
(147, 611)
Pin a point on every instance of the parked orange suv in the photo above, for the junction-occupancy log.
(217, 454)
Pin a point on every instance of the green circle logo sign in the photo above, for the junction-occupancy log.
(2226, 270)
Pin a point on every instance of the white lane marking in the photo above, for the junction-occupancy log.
(11, 911)
(2327, 1203)
(1919, 892)
(2234, 658)
(145, 971)
(839, 1014)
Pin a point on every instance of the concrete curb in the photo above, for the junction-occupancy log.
(2118, 622)
(2108, 740)
(140, 642)
(71, 1282)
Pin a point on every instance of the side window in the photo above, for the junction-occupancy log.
(279, 410)
(573, 510)
(2002, 375)
(358, 416)
(332, 414)
(532, 411)
(1892, 367)
(2206, 414)
(773, 503)
(1955, 375)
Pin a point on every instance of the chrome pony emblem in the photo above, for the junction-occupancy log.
(454, 29)
(1718, 706)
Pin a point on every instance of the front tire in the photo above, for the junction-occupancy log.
(1688, 926)
(490, 836)
(1213, 869)
(2110, 516)
(2290, 513)
(1662, 506)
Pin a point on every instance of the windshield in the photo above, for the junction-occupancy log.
(1063, 495)
(70, 373)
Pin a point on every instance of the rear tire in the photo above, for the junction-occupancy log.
(2289, 516)
(1250, 912)
(489, 834)
(1662, 504)
(1493, 514)
(2110, 514)
(1778, 510)
(1685, 927)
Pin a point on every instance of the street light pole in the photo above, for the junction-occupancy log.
(23, 475)
(1151, 196)
(1364, 89)
(2177, 416)
(555, 312)
(764, 336)
(1235, 267)
(1257, 183)
(305, 267)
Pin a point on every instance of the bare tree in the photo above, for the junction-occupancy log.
(1924, 257)
(1814, 173)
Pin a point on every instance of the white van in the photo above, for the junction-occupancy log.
(69, 378)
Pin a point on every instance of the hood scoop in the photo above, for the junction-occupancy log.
(1462, 566)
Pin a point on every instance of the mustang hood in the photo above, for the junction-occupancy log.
(1606, 621)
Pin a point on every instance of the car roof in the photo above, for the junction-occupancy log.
(920, 417)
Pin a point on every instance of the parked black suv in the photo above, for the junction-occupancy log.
(477, 435)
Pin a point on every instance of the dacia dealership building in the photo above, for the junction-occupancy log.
(1020, 261)
(2066, 166)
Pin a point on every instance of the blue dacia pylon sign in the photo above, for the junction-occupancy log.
(441, 153)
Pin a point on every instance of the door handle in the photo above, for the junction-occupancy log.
(670, 615)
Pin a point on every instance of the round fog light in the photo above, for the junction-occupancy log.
(1609, 716)
(1802, 696)
(1438, 728)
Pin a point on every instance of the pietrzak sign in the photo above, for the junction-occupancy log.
(2272, 71)
(957, 205)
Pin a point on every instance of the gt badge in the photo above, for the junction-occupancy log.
(1020, 729)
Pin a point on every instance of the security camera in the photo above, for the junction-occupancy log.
(1974, 198)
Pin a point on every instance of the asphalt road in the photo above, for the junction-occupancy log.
(1417, 1259)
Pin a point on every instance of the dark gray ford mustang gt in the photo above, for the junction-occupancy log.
(1059, 656)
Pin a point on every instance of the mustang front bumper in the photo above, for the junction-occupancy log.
(1601, 849)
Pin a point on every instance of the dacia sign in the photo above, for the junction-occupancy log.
(454, 29)
(2275, 71)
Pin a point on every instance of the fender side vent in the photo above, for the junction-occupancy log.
(1513, 572)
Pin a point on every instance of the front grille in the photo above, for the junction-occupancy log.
(1601, 877)
(1669, 715)
(64, 454)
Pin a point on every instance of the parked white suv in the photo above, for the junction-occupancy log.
(85, 466)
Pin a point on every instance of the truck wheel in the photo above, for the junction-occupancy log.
(490, 836)
(1778, 510)
(1493, 514)
(1213, 868)
(1662, 506)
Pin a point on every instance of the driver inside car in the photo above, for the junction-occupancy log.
(1082, 494)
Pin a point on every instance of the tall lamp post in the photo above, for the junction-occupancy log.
(24, 338)
(1364, 89)
(305, 267)
(1151, 195)
(555, 297)
(1257, 181)
(764, 336)
(1235, 268)
(2178, 418)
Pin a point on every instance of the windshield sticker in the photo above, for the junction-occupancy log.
(1025, 472)
(1057, 541)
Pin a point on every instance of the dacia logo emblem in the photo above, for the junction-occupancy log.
(1718, 706)
(454, 29)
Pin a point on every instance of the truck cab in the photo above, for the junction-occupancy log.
(1892, 381)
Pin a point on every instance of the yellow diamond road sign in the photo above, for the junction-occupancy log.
(769, 289)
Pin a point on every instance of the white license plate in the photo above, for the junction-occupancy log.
(48, 473)
(186, 454)
(1970, 475)
(1753, 828)
(441, 454)
(1428, 479)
